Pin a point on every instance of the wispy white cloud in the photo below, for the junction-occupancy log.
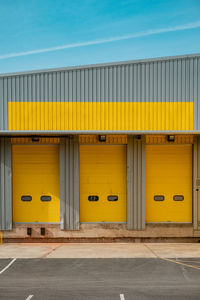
(106, 40)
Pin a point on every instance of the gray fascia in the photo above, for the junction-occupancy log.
(30, 133)
(109, 64)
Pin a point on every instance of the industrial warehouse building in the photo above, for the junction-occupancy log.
(102, 151)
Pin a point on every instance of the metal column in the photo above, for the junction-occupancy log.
(69, 183)
(5, 184)
(135, 183)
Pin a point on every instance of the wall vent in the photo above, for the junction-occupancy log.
(198, 182)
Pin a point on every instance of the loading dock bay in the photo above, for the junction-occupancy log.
(101, 278)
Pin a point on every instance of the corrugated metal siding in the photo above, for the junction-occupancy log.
(147, 81)
(5, 185)
(196, 183)
(135, 184)
(194, 88)
(167, 80)
(3, 106)
(100, 116)
(69, 183)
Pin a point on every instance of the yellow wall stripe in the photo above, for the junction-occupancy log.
(100, 115)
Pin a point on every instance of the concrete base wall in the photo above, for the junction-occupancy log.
(102, 232)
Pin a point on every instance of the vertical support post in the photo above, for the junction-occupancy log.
(69, 183)
(136, 183)
(5, 184)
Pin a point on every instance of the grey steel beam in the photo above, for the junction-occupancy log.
(77, 132)
(135, 184)
(69, 183)
(5, 185)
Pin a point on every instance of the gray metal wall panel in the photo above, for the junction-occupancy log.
(5, 184)
(194, 88)
(172, 79)
(3, 105)
(135, 184)
(69, 183)
(167, 80)
(197, 87)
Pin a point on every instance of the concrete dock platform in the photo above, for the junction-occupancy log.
(99, 250)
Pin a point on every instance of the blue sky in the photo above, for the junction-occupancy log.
(38, 34)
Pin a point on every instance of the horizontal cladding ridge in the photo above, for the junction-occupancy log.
(102, 100)
(101, 115)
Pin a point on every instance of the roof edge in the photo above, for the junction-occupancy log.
(79, 132)
(101, 65)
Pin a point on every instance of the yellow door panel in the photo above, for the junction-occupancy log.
(36, 174)
(103, 174)
(168, 174)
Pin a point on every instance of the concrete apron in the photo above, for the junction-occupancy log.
(102, 233)
(100, 250)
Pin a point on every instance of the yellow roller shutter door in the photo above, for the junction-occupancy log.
(169, 183)
(36, 195)
(102, 183)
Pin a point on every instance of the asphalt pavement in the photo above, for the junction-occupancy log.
(100, 278)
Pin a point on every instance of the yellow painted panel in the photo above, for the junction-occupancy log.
(169, 173)
(110, 139)
(28, 140)
(102, 173)
(100, 115)
(162, 139)
(36, 173)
